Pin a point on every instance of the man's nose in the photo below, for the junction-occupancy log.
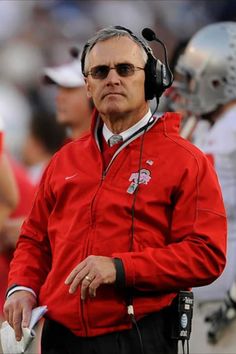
(113, 76)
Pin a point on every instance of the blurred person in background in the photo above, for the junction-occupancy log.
(206, 89)
(44, 138)
(8, 187)
(109, 268)
(73, 107)
(11, 227)
(9, 195)
(9, 200)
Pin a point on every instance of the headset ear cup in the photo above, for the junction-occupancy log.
(154, 86)
(148, 85)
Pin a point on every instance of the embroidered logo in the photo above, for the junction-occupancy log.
(136, 178)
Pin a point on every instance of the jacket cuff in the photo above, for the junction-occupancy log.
(120, 273)
(10, 288)
(17, 287)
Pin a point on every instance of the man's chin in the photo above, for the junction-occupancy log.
(113, 109)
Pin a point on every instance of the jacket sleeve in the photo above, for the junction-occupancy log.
(194, 254)
(32, 257)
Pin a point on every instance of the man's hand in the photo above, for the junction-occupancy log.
(17, 310)
(91, 273)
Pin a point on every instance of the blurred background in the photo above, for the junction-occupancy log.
(35, 34)
(39, 33)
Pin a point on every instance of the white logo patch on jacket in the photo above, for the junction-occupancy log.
(136, 178)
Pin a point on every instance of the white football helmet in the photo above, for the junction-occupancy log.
(206, 70)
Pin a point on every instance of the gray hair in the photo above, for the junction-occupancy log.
(111, 32)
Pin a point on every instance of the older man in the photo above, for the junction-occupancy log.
(125, 218)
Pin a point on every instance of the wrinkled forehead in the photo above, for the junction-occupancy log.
(115, 50)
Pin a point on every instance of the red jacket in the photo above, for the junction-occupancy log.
(179, 227)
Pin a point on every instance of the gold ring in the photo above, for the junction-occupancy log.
(88, 278)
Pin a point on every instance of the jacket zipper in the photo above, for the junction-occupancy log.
(83, 304)
(104, 173)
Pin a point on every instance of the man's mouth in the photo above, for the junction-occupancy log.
(112, 94)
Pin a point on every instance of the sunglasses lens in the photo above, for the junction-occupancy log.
(100, 72)
(125, 69)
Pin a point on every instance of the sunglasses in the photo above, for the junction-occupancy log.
(100, 72)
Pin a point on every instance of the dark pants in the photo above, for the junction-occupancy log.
(155, 331)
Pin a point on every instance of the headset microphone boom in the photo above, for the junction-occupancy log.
(167, 79)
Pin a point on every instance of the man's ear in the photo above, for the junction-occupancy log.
(87, 87)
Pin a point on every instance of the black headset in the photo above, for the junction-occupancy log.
(155, 70)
